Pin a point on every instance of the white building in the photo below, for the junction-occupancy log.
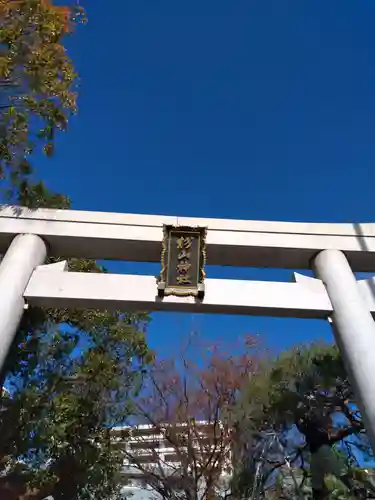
(147, 449)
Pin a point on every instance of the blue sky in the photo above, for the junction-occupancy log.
(265, 107)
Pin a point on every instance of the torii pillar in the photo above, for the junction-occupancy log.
(354, 330)
(25, 253)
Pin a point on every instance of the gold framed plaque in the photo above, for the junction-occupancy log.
(183, 260)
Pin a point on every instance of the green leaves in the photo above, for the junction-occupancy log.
(37, 85)
(39, 196)
(271, 398)
(71, 376)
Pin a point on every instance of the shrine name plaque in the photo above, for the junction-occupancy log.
(183, 260)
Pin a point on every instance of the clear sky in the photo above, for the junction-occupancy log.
(251, 109)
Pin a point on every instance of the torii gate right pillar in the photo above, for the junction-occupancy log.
(353, 328)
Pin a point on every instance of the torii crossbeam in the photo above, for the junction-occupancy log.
(333, 251)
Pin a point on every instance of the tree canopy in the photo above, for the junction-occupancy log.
(37, 86)
(271, 399)
(71, 377)
(190, 404)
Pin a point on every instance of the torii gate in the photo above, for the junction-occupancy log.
(333, 251)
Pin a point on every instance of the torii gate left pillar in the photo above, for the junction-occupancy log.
(25, 253)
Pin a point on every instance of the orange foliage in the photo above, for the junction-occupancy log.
(63, 11)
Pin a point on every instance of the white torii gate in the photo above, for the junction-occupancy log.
(333, 251)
